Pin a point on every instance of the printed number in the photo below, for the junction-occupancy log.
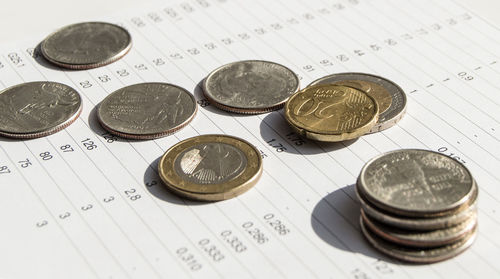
(326, 62)
(85, 84)
(193, 51)
(67, 148)
(155, 17)
(465, 76)
(203, 103)
(342, 58)
(141, 67)
(276, 26)
(176, 56)
(25, 163)
(359, 274)
(89, 144)
(383, 267)
(138, 22)
(188, 258)
(210, 46)
(15, 59)
(227, 41)
(158, 62)
(4, 170)
(109, 137)
(338, 6)
(46, 156)
(131, 194)
(122, 73)
(276, 224)
(308, 16)
(108, 199)
(244, 36)
(278, 146)
(391, 42)
(187, 7)
(151, 183)
(87, 207)
(104, 78)
(42, 223)
(308, 68)
(64, 216)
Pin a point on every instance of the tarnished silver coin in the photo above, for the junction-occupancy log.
(147, 110)
(391, 97)
(37, 109)
(424, 239)
(86, 45)
(418, 255)
(250, 86)
(416, 183)
(418, 224)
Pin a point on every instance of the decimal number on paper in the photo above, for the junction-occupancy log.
(255, 233)
(212, 251)
(188, 258)
(276, 224)
(234, 242)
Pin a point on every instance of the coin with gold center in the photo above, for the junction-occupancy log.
(211, 167)
(331, 112)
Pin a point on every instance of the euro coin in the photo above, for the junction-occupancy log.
(390, 97)
(147, 110)
(86, 45)
(417, 183)
(37, 109)
(210, 167)
(250, 86)
(331, 112)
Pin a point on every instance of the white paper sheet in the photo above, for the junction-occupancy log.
(67, 209)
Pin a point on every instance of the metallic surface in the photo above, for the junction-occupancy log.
(420, 224)
(250, 86)
(418, 183)
(86, 45)
(211, 167)
(390, 112)
(37, 109)
(418, 255)
(147, 110)
(432, 238)
(331, 112)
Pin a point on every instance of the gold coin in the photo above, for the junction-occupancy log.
(331, 112)
(211, 167)
(378, 92)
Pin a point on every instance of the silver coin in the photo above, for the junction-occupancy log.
(419, 224)
(417, 183)
(86, 45)
(250, 86)
(388, 117)
(418, 255)
(424, 239)
(147, 110)
(37, 109)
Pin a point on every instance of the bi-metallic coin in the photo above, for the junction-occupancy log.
(331, 112)
(147, 110)
(418, 255)
(86, 45)
(389, 96)
(37, 109)
(250, 86)
(211, 167)
(417, 183)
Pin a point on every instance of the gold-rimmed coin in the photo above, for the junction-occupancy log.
(211, 167)
(331, 112)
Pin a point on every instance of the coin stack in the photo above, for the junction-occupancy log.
(417, 206)
(345, 106)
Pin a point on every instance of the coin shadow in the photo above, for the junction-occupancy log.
(38, 57)
(335, 219)
(274, 122)
(208, 106)
(157, 189)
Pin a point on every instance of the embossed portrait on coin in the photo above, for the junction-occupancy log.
(210, 163)
(246, 85)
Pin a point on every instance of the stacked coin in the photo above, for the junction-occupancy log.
(250, 87)
(86, 45)
(417, 205)
(210, 167)
(147, 110)
(37, 109)
(345, 106)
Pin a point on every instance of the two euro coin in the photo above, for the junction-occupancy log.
(417, 205)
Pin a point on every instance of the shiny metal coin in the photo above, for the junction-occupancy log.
(416, 183)
(418, 224)
(147, 110)
(86, 45)
(331, 112)
(211, 167)
(37, 109)
(390, 97)
(418, 255)
(424, 239)
(250, 86)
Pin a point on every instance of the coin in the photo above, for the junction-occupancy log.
(331, 112)
(211, 167)
(432, 238)
(416, 183)
(250, 86)
(147, 110)
(37, 109)
(418, 255)
(419, 224)
(86, 45)
(390, 97)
